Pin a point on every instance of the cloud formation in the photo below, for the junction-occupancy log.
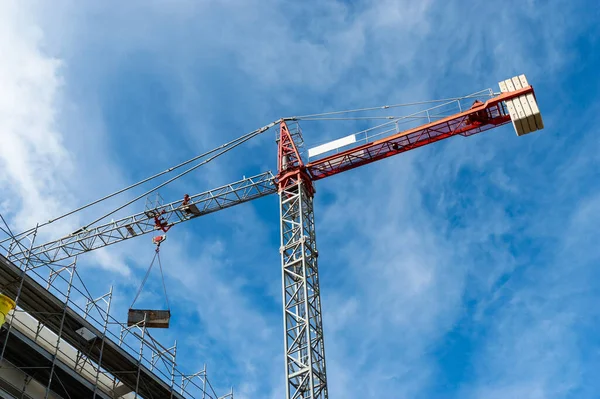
(33, 157)
(458, 270)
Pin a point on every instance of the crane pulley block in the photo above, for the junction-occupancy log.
(157, 240)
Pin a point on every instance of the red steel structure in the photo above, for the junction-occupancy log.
(477, 119)
(303, 339)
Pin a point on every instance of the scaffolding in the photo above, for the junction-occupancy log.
(62, 342)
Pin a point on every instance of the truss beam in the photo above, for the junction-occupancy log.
(305, 371)
(145, 222)
(304, 346)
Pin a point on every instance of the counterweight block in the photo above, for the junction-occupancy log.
(524, 111)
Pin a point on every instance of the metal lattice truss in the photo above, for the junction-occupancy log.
(482, 116)
(304, 347)
(86, 240)
(76, 347)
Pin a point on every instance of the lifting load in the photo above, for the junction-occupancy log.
(6, 305)
(151, 318)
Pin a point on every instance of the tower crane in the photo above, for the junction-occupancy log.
(305, 369)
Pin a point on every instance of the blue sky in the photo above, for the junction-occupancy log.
(466, 269)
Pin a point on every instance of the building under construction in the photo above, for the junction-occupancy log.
(60, 341)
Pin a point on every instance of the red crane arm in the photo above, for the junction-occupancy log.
(479, 118)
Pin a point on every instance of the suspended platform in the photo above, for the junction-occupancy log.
(149, 318)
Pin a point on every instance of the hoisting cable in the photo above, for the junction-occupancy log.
(156, 256)
(479, 93)
(233, 143)
(11, 236)
(370, 118)
(162, 276)
(394, 120)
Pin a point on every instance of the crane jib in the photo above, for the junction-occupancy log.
(482, 117)
(144, 222)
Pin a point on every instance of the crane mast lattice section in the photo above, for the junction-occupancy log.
(306, 375)
(304, 346)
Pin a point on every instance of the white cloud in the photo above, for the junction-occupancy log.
(42, 176)
(34, 161)
(393, 284)
(405, 282)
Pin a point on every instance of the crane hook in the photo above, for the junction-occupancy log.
(157, 240)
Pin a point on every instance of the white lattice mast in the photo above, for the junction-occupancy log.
(305, 371)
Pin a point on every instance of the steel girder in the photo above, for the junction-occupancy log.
(303, 340)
